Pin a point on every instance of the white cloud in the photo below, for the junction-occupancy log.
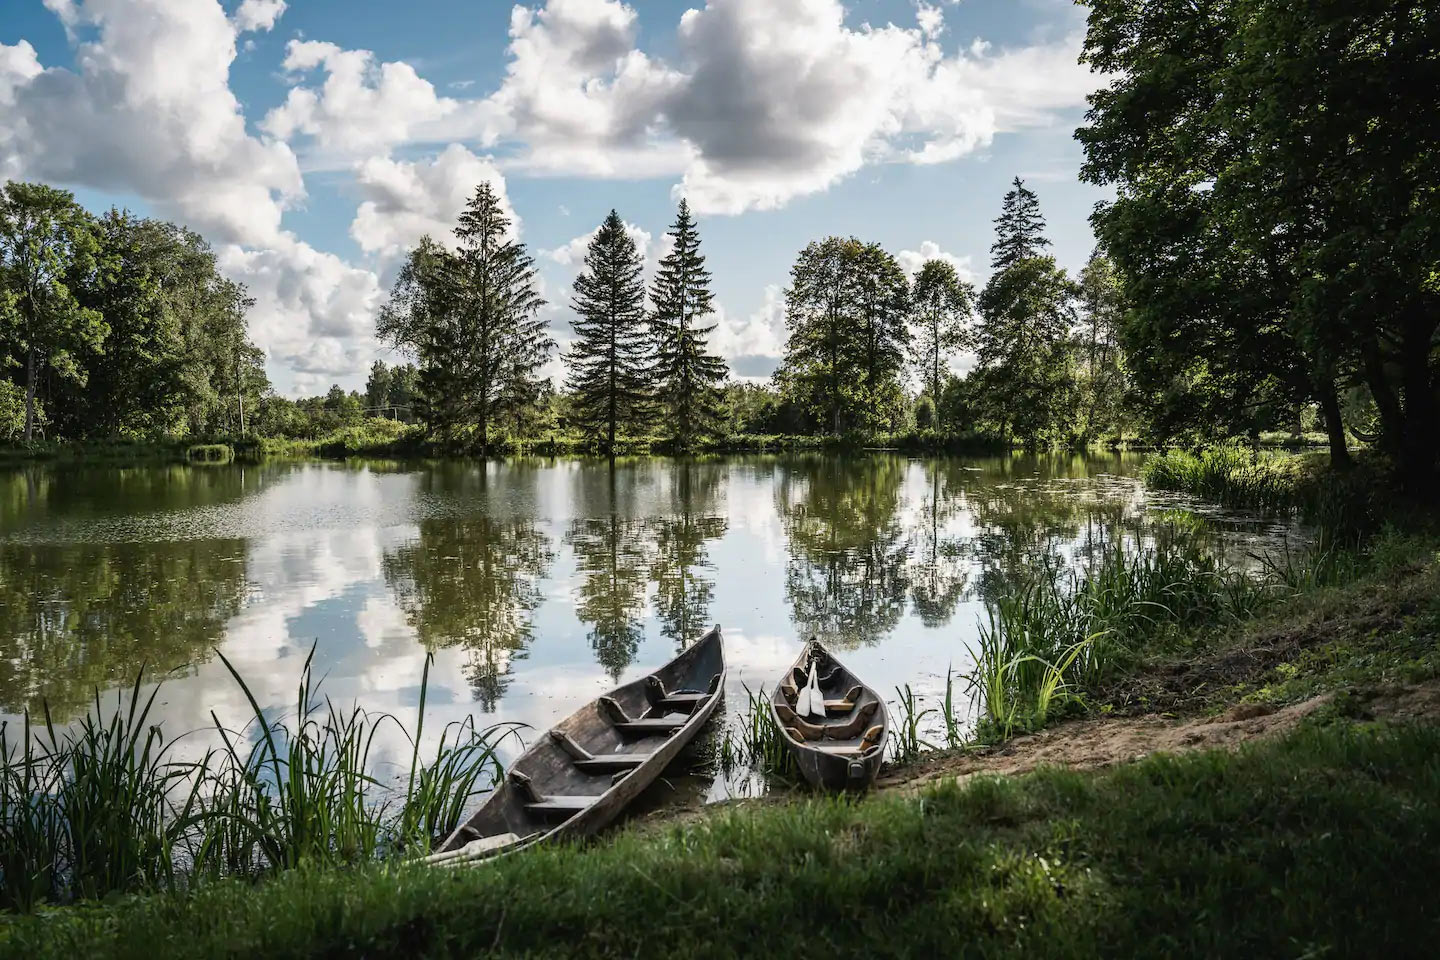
(361, 109)
(130, 120)
(930, 18)
(258, 14)
(761, 334)
(580, 96)
(768, 100)
(406, 201)
(314, 313)
(912, 260)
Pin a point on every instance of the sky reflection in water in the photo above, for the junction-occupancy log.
(538, 584)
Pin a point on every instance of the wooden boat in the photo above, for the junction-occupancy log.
(843, 751)
(575, 780)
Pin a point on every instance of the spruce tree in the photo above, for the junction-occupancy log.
(942, 304)
(1019, 230)
(687, 375)
(611, 363)
(506, 338)
(472, 320)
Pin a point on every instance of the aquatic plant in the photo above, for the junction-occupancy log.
(101, 807)
(905, 741)
(753, 739)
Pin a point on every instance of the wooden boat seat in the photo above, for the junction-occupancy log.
(554, 804)
(837, 706)
(591, 763)
(871, 738)
(827, 731)
(643, 727)
(665, 701)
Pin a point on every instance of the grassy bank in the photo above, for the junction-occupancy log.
(389, 439)
(104, 808)
(1319, 844)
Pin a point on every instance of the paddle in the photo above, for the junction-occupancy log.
(802, 699)
(815, 700)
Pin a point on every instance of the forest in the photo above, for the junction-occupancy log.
(1257, 270)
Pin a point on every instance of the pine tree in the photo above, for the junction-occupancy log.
(1019, 230)
(687, 375)
(472, 320)
(611, 363)
(942, 305)
(508, 341)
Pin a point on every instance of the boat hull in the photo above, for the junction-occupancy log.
(844, 763)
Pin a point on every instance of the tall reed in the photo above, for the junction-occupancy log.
(101, 807)
(754, 740)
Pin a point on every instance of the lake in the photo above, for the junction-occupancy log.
(537, 583)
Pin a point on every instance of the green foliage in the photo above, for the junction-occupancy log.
(942, 306)
(1266, 157)
(48, 249)
(611, 362)
(687, 375)
(1024, 383)
(1102, 376)
(471, 320)
(846, 311)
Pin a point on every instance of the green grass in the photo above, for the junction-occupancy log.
(1321, 844)
(1054, 636)
(101, 808)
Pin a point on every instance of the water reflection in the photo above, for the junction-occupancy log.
(612, 556)
(681, 569)
(536, 583)
(75, 617)
(848, 575)
(473, 583)
(938, 553)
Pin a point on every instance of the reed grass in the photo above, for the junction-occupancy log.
(101, 807)
(1229, 474)
(754, 740)
(906, 744)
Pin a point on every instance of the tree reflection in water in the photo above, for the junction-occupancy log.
(474, 581)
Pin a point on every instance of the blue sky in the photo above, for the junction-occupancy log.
(313, 142)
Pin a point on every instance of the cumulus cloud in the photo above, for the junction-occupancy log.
(405, 201)
(314, 313)
(760, 335)
(361, 108)
(258, 14)
(767, 100)
(164, 127)
(912, 260)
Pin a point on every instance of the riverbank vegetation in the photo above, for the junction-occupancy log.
(1056, 863)
(107, 806)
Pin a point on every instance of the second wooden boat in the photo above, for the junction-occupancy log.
(579, 776)
(844, 749)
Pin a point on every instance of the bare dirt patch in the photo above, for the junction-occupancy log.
(1102, 742)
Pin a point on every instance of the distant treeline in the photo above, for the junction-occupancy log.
(1270, 261)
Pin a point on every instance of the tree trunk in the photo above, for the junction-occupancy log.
(1334, 424)
(29, 394)
(1391, 415)
(1420, 434)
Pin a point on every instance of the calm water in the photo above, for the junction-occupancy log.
(537, 583)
